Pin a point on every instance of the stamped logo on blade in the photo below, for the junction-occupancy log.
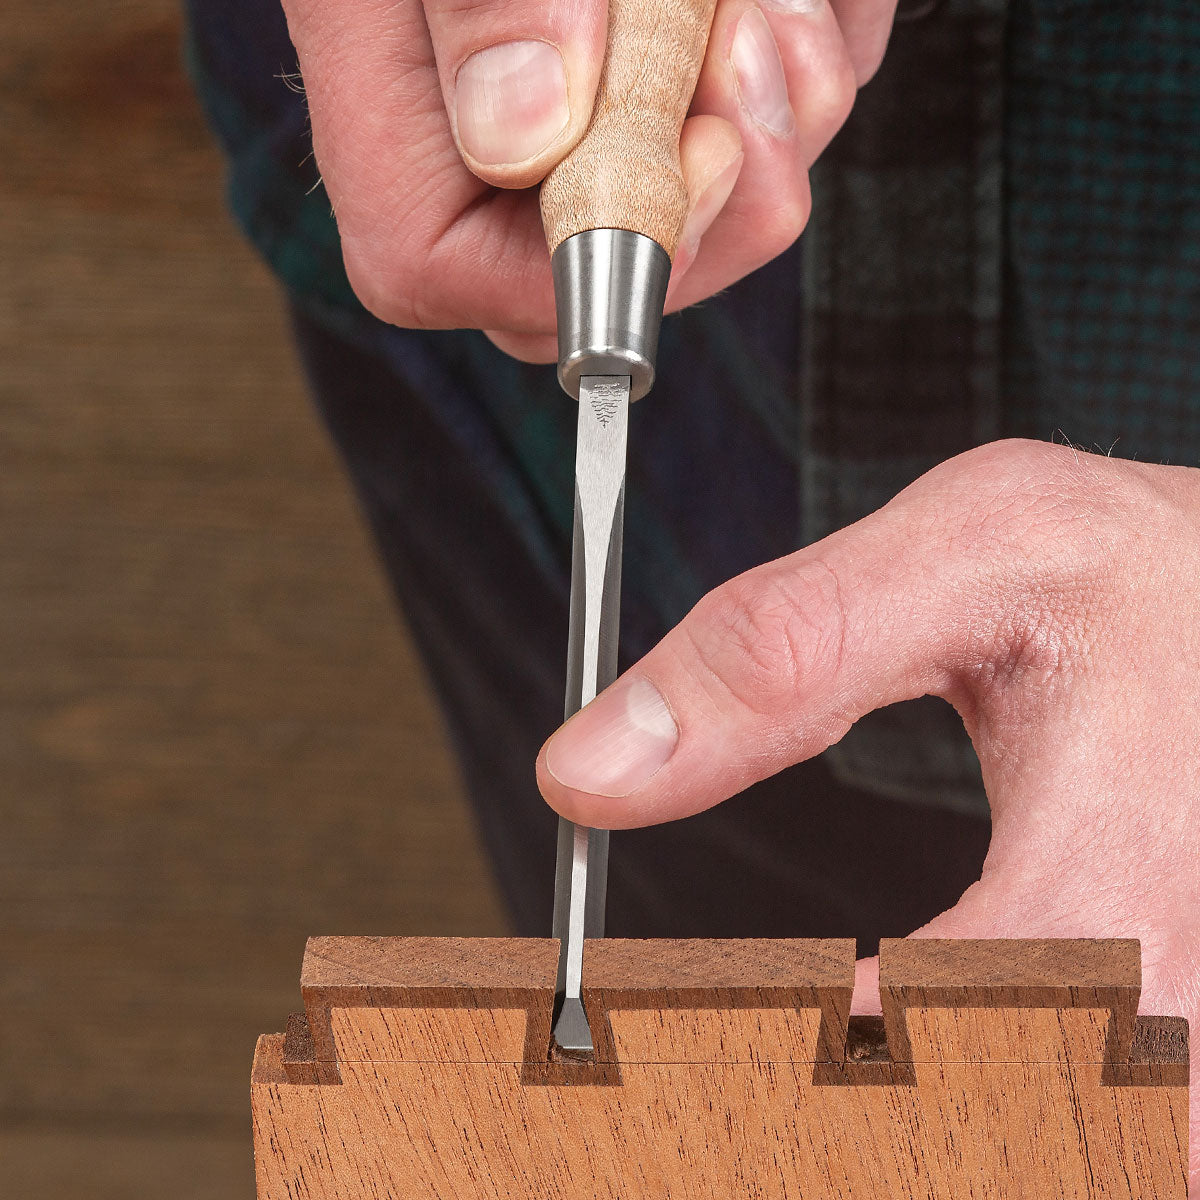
(606, 400)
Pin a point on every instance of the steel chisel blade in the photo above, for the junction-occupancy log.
(581, 875)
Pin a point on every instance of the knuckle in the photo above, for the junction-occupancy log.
(766, 634)
(867, 65)
(391, 249)
(868, 55)
(828, 97)
(386, 280)
(1032, 494)
(779, 228)
(1049, 527)
(837, 97)
(1000, 496)
(384, 294)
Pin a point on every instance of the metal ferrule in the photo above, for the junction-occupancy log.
(609, 289)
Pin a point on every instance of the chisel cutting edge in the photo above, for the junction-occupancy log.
(613, 210)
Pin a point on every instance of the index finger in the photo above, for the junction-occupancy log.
(426, 243)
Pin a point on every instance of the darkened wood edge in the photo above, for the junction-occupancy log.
(299, 1062)
(1011, 973)
(867, 1062)
(396, 972)
(1159, 1056)
(1162, 1040)
(725, 973)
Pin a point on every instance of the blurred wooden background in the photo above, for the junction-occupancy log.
(214, 738)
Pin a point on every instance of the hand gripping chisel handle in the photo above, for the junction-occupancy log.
(613, 210)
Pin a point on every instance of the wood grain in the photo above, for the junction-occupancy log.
(625, 172)
(752, 1106)
(737, 997)
(1103, 977)
(490, 979)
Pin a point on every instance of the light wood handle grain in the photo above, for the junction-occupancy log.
(625, 173)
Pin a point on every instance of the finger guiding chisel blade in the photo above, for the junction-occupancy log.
(582, 869)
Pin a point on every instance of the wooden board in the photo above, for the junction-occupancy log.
(422, 1068)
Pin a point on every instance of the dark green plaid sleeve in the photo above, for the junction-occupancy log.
(1102, 163)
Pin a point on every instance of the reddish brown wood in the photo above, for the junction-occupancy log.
(752, 973)
(1047, 973)
(428, 973)
(998, 1069)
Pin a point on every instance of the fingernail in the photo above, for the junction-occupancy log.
(511, 101)
(614, 745)
(761, 85)
(704, 212)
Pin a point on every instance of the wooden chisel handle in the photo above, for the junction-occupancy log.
(625, 173)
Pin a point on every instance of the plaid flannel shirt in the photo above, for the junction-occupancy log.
(1005, 241)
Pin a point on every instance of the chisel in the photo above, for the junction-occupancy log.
(612, 211)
